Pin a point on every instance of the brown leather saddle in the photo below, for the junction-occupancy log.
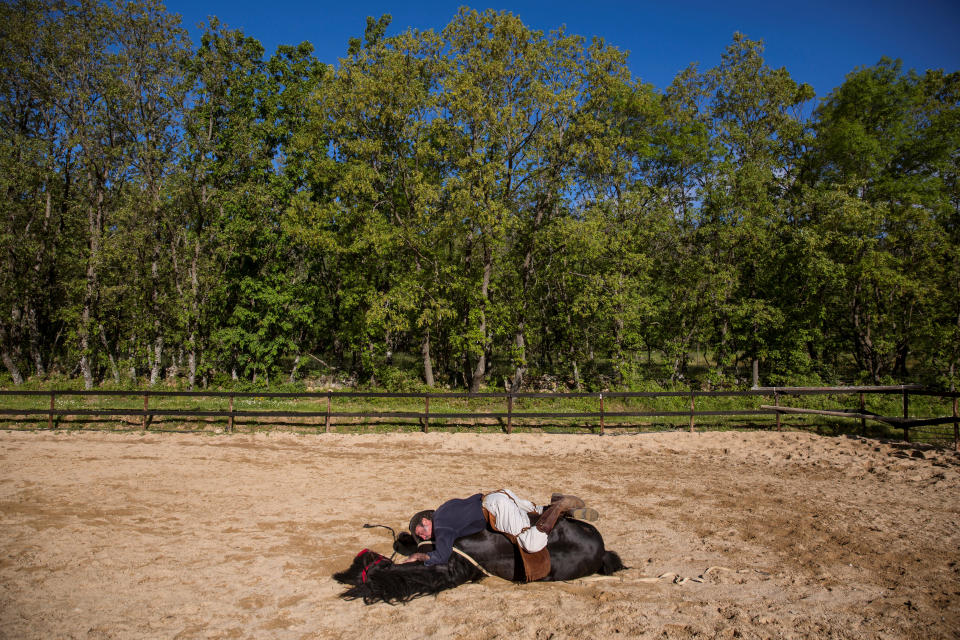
(536, 565)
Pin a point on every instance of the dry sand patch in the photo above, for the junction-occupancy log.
(199, 536)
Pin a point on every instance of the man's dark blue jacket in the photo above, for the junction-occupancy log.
(454, 519)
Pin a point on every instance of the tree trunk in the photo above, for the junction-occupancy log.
(133, 361)
(95, 222)
(192, 364)
(293, 371)
(113, 361)
(85, 368)
(11, 366)
(521, 369)
(34, 338)
(38, 261)
(155, 309)
(173, 371)
(427, 365)
(526, 271)
(618, 329)
(8, 360)
(194, 306)
(722, 346)
(157, 356)
(900, 367)
(480, 371)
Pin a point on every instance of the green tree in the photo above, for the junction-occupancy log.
(757, 125)
(149, 47)
(244, 292)
(37, 175)
(884, 208)
(379, 221)
(522, 109)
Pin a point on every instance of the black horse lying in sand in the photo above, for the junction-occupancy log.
(576, 550)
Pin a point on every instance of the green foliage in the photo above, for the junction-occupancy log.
(486, 206)
(397, 380)
(882, 209)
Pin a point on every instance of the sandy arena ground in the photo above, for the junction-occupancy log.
(113, 535)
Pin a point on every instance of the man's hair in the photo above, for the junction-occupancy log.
(418, 517)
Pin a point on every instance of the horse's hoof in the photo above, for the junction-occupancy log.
(584, 513)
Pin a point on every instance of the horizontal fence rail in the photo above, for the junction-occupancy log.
(777, 409)
(760, 391)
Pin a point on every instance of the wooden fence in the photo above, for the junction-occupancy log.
(509, 415)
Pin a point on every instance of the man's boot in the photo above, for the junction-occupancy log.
(548, 520)
(580, 512)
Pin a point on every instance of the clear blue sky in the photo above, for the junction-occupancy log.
(818, 41)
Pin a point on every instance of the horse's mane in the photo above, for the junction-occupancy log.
(404, 582)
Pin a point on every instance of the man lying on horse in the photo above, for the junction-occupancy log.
(524, 523)
(480, 536)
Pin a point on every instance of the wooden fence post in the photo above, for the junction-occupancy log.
(863, 421)
(146, 403)
(956, 427)
(776, 402)
(50, 417)
(509, 413)
(693, 407)
(906, 414)
(326, 421)
(230, 418)
(426, 413)
(601, 413)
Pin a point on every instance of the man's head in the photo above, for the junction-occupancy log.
(421, 525)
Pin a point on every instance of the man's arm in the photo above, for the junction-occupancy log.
(443, 547)
(417, 557)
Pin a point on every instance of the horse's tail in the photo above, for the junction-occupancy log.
(404, 582)
(610, 563)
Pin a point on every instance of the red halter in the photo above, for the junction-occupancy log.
(380, 558)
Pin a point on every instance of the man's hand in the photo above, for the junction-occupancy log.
(417, 557)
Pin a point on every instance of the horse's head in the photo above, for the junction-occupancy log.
(405, 544)
(365, 563)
